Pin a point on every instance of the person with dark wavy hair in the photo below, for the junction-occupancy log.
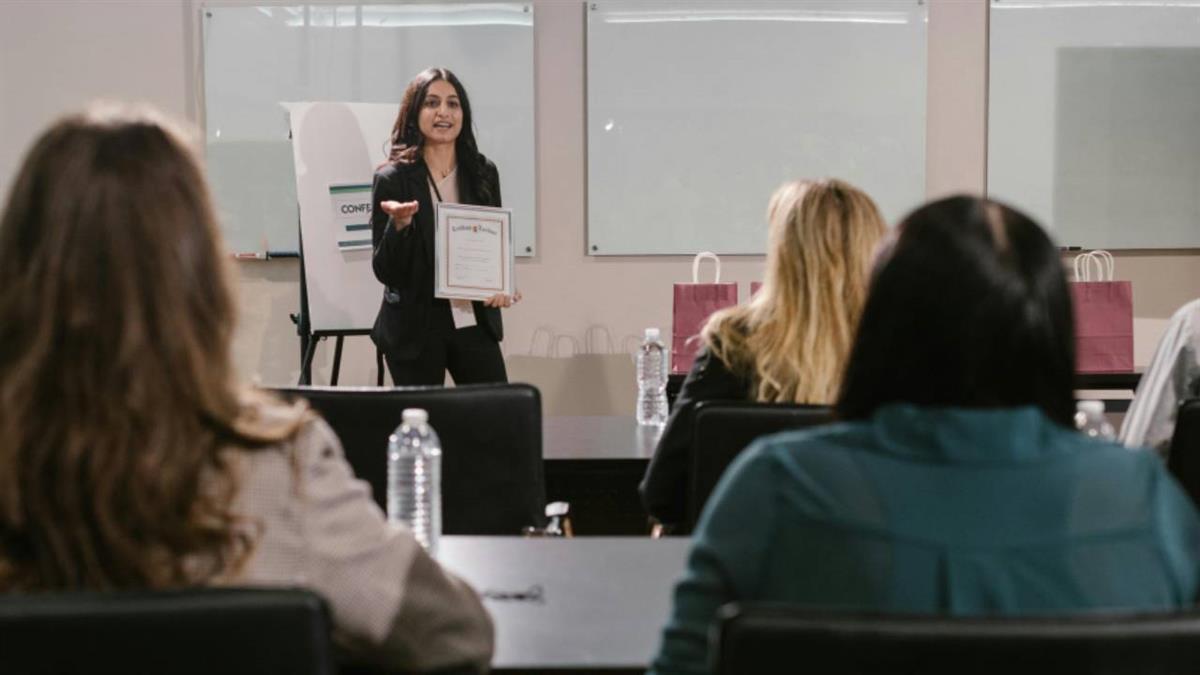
(433, 156)
(130, 455)
(954, 482)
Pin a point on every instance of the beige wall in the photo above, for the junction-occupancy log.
(54, 56)
(148, 50)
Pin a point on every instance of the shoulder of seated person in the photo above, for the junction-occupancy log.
(707, 360)
(313, 443)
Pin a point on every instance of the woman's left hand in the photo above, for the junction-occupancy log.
(503, 300)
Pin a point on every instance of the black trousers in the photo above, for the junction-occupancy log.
(470, 354)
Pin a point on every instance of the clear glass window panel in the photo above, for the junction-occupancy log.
(258, 57)
(697, 111)
(1094, 119)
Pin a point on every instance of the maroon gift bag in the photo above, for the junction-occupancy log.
(1103, 316)
(694, 303)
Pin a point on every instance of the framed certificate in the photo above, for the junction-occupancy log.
(472, 252)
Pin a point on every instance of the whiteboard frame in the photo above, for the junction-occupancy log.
(1022, 97)
(654, 217)
(505, 125)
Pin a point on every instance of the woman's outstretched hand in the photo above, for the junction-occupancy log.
(503, 300)
(401, 212)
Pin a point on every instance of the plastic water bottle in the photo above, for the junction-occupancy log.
(1090, 420)
(414, 489)
(652, 381)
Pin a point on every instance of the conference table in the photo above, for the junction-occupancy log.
(1113, 381)
(571, 605)
(1119, 381)
(595, 464)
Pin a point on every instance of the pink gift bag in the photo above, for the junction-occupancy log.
(754, 286)
(1103, 316)
(694, 303)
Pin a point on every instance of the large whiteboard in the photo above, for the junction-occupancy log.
(1094, 119)
(696, 112)
(258, 57)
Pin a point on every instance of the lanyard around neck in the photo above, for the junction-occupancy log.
(433, 183)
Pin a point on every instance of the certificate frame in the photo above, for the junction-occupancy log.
(490, 281)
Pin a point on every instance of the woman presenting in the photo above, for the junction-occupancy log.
(433, 157)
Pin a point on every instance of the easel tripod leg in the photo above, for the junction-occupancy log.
(337, 360)
(306, 365)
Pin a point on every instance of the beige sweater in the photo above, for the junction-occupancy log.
(318, 527)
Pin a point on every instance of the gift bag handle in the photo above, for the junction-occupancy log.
(1104, 266)
(590, 345)
(541, 330)
(570, 340)
(631, 344)
(696, 266)
(1109, 264)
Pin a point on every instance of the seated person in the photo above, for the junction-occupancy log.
(790, 342)
(1173, 377)
(129, 458)
(955, 483)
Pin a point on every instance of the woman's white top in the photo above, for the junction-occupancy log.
(1173, 377)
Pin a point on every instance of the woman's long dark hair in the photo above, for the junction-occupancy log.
(407, 140)
(970, 308)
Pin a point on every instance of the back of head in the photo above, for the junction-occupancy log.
(969, 308)
(793, 338)
(115, 377)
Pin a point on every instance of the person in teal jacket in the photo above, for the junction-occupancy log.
(954, 482)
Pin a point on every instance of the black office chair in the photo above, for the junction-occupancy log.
(1184, 458)
(775, 639)
(200, 632)
(492, 476)
(674, 386)
(722, 429)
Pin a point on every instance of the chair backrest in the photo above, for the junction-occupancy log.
(674, 386)
(722, 429)
(766, 640)
(1184, 457)
(492, 476)
(201, 631)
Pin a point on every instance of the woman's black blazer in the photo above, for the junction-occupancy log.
(403, 261)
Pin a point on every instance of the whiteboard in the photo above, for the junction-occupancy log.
(257, 57)
(696, 112)
(1094, 119)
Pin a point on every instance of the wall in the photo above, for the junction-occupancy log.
(56, 55)
(147, 50)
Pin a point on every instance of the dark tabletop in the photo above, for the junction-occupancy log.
(597, 437)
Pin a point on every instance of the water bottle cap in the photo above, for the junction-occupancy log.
(1090, 407)
(652, 334)
(415, 416)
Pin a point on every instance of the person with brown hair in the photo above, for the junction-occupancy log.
(129, 455)
(433, 157)
(790, 342)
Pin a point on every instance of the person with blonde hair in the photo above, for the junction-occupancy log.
(790, 343)
(131, 458)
